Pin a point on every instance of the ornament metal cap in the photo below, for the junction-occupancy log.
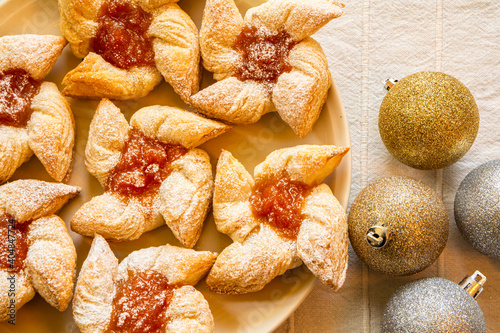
(389, 83)
(377, 236)
(473, 284)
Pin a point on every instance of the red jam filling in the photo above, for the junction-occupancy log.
(143, 166)
(121, 38)
(140, 303)
(13, 243)
(280, 201)
(17, 89)
(265, 54)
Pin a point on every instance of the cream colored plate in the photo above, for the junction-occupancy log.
(257, 312)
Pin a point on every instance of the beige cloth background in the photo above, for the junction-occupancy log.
(372, 41)
(375, 40)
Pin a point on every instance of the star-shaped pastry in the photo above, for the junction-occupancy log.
(279, 219)
(151, 290)
(127, 46)
(36, 251)
(149, 169)
(265, 62)
(34, 116)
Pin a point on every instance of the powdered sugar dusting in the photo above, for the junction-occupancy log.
(46, 251)
(263, 48)
(253, 260)
(35, 54)
(28, 199)
(51, 260)
(164, 128)
(264, 54)
(142, 281)
(17, 89)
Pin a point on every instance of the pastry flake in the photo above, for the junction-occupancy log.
(44, 257)
(265, 62)
(151, 290)
(279, 219)
(127, 47)
(151, 172)
(34, 116)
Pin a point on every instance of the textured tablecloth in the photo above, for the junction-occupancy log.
(372, 41)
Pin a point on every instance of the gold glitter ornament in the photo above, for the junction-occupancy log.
(436, 305)
(477, 212)
(398, 225)
(428, 120)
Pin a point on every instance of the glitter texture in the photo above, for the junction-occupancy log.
(416, 220)
(477, 211)
(428, 120)
(432, 305)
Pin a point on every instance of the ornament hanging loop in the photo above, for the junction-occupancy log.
(377, 236)
(473, 284)
(389, 83)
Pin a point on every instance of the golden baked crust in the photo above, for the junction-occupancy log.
(260, 253)
(50, 131)
(50, 265)
(175, 45)
(28, 199)
(183, 197)
(298, 94)
(94, 77)
(101, 276)
(37, 54)
(189, 312)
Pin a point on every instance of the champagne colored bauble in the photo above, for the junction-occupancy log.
(428, 120)
(398, 225)
(477, 212)
(433, 305)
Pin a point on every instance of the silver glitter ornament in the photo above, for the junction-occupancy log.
(428, 120)
(398, 225)
(436, 305)
(477, 212)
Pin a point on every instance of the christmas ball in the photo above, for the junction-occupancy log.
(477, 212)
(433, 305)
(428, 120)
(398, 225)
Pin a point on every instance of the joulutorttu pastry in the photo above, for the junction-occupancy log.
(279, 219)
(149, 169)
(265, 62)
(34, 116)
(36, 251)
(127, 46)
(151, 290)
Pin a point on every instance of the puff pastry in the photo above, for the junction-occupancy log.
(149, 169)
(127, 46)
(34, 116)
(266, 61)
(104, 287)
(279, 219)
(36, 251)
